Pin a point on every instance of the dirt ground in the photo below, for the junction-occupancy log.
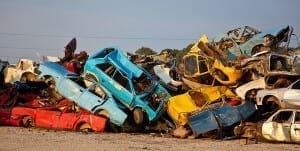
(34, 139)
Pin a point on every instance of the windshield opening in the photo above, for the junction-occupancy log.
(142, 84)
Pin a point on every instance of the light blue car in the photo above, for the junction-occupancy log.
(131, 85)
(249, 41)
(93, 97)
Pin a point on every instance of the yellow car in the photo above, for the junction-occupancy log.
(180, 106)
(206, 64)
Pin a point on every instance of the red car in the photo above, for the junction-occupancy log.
(37, 113)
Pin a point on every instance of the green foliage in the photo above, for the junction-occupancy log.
(145, 51)
(178, 54)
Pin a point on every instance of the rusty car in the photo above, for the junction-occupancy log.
(130, 84)
(206, 65)
(24, 70)
(218, 118)
(287, 97)
(267, 40)
(92, 97)
(283, 126)
(179, 107)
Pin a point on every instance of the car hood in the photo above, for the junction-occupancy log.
(49, 67)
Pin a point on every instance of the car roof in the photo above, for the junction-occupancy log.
(119, 59)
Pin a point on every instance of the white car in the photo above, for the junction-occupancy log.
(283, 126)
(24, 70)
(249, 89)
(288, 97)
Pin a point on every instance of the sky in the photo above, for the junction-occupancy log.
(32, 28)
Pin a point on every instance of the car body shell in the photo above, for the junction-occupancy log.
(287, 97)
(179, 107)
(219, 117)
(283, 126)
(257, 84)
(196, 65)
(125, 90)
(50, 117)
(81, 95)
(278, 34)
(14, 72)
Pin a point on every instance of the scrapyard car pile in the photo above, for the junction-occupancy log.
(220, 86)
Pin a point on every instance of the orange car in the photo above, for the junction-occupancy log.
(38, 113)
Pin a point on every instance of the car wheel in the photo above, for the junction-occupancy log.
(138, 116)
(27, 122)
(84, 127)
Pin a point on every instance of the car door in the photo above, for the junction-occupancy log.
(70, 89)
(67, 120)
(115, 82)
(291, 96)
(122, 89)
(295, 128)
(47, 118)
(92, 97)
(277, 128)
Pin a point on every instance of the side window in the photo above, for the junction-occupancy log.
(202, 65)
(283, 117)
(296, 85)
(108, 68)
(189, 65)
(122, 80)
(297, 118)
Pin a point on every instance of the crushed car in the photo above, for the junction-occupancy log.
(24, 70)
(274, 99)
(206, 65)
(283, 126)
(130, 84)
(221, 117)
(268, 40)
(183, 105)
(92, 97)
(36, 113)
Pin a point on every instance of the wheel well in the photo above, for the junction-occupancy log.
(27, 121)
(251, 94)
(269, 98)
(103, 113)
(81, 126)
(91, 76)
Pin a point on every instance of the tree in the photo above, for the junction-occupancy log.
(145, 51)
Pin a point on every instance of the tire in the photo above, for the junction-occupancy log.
(138, 116)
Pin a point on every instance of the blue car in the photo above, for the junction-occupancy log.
(131, 85)
(84, 92)
(248, 41)
(220, 117)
